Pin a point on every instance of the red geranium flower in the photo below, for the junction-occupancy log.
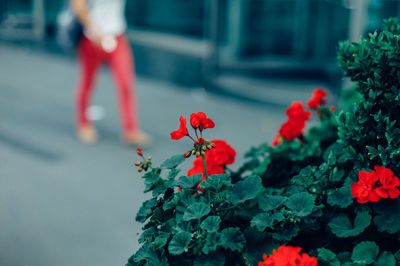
(223, 154)
(374, 185)
(364, 190)
(317, 99)
(200, 121)
(277, 140)
(389, 183)
(296, 112)
(182, 131)
(288, 256)
(292, 129)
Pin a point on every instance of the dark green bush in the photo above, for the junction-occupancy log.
(298, 193)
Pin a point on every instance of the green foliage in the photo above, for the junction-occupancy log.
(365, 253)
(297, 193)
(302, 204)
(245, 189)
(179, 243)
(342, 227)
(196, 211)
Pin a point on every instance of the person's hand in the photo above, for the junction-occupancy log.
(95, 35)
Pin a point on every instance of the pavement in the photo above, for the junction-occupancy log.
(63, 203)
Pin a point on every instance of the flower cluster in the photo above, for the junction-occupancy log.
(223, 154)
(297, 117)
(288, 256)
(293, 127)
(145, 164)
(374, 185)
(199, 121)
(317, 99)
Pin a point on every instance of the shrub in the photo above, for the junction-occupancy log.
(332, 193)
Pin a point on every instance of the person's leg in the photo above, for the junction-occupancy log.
(122, 67)
(89, 60)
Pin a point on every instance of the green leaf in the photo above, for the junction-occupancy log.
(342, 227)
(245, 189)
(172, 162)
(189, 181)
(270, 202)
(179, 243)
(174, 201)
(372, 152)
(264, 220)
(216, 182)
(386, 259)
(343, 256)
(262, 167)
(388, 219)
(327, 256)
(146, 210)
(213, 259)
(340, 197)
(233, 239)
(365, 252)
(196, 211)
(173, 173)
(213, 241)
(397, 254)
(211, 224)
(302, 204)
(161, 240)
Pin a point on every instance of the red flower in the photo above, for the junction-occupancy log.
(291, 129)
(374, 185)
(288, 256)
(364, 190)
(317, 99)
(389, 183)
(223, 154)
(296, 112)
(294, 126)
(182, 131)
(200, 121)
(277, 140)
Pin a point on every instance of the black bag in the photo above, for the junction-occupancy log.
(69, 29)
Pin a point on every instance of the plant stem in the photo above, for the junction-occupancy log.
(191, 137)
(206, 174)
(205, 165)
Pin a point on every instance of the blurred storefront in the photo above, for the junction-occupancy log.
(215, 42)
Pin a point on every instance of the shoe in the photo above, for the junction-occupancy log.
(138, 138)
(87, 134)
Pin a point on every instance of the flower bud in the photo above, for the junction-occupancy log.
(204, 148)
(197, 154)
(149, 158)
(203, 153)
(138, 163)
(139, 152)
(140, 169)
(187, 155)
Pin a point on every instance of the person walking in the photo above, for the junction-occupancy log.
(104, 41)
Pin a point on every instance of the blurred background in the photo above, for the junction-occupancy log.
(240, 61)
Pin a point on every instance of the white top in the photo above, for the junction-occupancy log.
(107, 16)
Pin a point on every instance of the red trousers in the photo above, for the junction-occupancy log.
(120, 61)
